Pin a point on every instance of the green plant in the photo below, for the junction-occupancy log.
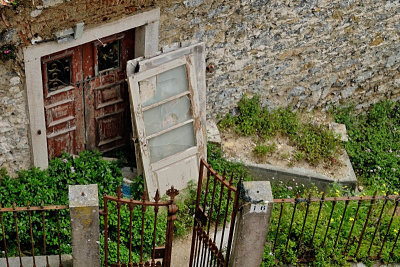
(263, 150)
(124, 236)
(249, 120)
(137, 187)
(374, 143)
(226, 122)
(51, 185)
(316, 143)
(186, 204)
(299, 155)
(215, 158)
(322, 253)
(288, 121)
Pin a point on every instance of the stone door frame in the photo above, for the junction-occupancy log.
(146, 26)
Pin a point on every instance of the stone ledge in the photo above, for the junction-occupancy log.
(267, 172)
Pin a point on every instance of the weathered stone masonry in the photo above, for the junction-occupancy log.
(14, 148)
(305, 54)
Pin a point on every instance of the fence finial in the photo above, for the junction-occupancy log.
(157, 196)
(172, 193)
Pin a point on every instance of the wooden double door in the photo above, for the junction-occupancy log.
(85, 94)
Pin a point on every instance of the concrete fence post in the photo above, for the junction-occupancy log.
(84, 211)
(256, 202)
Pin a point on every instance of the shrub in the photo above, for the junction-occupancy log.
(249, 120)
(326, 255)
(317, 142)
(374, 143)
(51, 187)
(263, 150)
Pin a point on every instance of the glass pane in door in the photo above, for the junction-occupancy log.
(169, 114)
(163, 86)
(172, 142)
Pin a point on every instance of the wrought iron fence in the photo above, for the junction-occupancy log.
(216, 205)
(127, 230)
(302, 226)
(36, 222)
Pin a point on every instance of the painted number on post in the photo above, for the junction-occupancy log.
(258, 208)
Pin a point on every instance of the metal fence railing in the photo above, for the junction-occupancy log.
(217, 204)
(25, 232)
(136, 227)
(356, 227)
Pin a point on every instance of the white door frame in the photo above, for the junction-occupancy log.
(146, 45)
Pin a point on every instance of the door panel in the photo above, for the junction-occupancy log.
(109, 129)
(63, 102)
(86, 98)
(109, 95)
(166, 112)
(107, 115)
(188, 168)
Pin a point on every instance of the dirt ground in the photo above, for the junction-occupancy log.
(181, 251)
(240, 148)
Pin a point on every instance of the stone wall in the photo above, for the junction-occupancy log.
(14, 148)
(303, 54)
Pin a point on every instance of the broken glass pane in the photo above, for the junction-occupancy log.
(169, 83)
(169, 114)
(171, 142)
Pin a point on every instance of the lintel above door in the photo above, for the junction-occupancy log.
(167, 96)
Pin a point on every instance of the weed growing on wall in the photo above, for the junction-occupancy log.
(314, 143)
(374, 143)
(7, 52)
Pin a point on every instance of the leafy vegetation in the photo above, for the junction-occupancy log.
(187, 201)
(373, 148)
(321, 256)
(325, 254)
(253, 119)
(51, 187)
(264, 150)
(314, 143)
(374, 143)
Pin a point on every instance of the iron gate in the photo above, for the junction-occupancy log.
(158, 256)
(217, 201)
